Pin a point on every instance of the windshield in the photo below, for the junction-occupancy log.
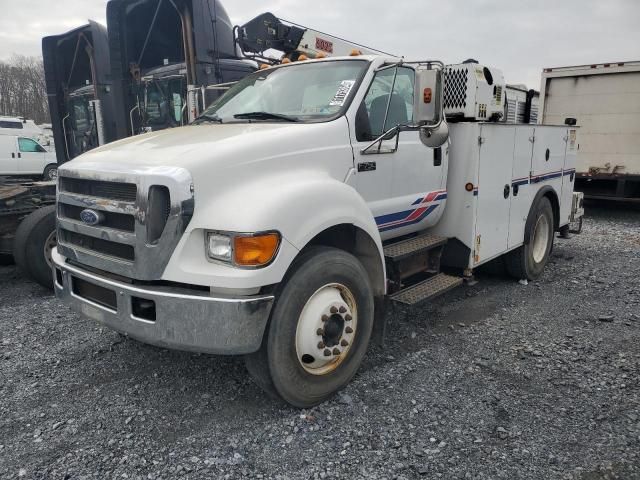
(162, 102)
(304, 92)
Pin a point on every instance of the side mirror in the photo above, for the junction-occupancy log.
(434, 137)
(427, 96)
(428, 113)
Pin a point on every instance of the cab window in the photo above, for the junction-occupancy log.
(27, 145)
(372, 119)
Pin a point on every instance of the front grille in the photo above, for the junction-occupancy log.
(105, 247)
(117, 221)
(139, 220)
(125, 192)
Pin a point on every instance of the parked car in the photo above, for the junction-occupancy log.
(23, 156)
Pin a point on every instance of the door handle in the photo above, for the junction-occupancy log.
(13, 155)
(19, 155)
(516, 190)
(507, 191)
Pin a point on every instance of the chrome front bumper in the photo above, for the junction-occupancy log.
(182, 320)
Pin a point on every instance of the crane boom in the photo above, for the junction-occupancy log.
(266, 32)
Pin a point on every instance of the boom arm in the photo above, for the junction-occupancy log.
(266, 32)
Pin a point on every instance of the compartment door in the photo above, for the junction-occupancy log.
(520, 190)
(494, 192)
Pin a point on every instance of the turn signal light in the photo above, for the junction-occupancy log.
(255, 251)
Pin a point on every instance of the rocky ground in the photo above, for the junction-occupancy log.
(495, 381)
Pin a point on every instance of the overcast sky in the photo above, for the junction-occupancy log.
(518, 36)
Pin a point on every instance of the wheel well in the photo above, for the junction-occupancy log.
(360, 244)
(555, 205)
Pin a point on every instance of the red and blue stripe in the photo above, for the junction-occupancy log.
(425, 206)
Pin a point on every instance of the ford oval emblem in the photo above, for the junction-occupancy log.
(90, 217)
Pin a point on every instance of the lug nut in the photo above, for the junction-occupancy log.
(325, 318)
(333, 310)
(327, 353)
(344, 343)
(336, 351)
(320, 332)
(348, 317)
(343, 310)
(348, 330)
(321, 345)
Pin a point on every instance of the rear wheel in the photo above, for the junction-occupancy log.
(528, 261)
(34, 241)
(319, 331)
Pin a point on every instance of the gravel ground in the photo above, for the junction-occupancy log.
(495, 381)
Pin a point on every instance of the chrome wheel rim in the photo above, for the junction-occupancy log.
(326, 329)
(49, 244)
(540, 238)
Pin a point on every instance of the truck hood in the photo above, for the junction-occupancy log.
(220, 157)
(210, 144)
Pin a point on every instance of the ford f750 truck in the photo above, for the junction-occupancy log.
(277, 224)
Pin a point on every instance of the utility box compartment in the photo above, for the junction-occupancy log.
(495, 172)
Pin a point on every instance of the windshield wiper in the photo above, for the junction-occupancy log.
(265, 116)
(205, 118)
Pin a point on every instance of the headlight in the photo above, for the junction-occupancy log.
(219, 247)
(242, 249)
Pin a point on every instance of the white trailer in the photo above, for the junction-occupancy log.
(278, 224)
(605, 101)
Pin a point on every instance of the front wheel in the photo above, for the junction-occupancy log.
(50, 173)
(319, 330)
(528, 261)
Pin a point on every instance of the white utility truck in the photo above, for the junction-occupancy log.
(276, 226)
(604, 100)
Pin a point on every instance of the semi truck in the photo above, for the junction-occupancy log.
(163, 55)
(79, 90)
(312, 193)
(604, 99)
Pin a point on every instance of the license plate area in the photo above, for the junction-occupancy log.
(93, 293)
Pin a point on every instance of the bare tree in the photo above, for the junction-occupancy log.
(23, 91)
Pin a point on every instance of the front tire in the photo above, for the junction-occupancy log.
(528, 261)
(319, 330)
(50, 173)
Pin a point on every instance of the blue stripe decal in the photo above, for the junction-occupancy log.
(393, 217)
(412, 222)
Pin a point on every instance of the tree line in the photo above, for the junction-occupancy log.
(23, 91)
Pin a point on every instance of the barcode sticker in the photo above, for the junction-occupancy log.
(342, 93)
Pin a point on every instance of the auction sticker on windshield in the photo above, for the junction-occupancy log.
(342, 93)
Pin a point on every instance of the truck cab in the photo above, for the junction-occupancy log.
(276, 225)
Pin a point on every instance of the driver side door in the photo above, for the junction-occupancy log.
(405, 188)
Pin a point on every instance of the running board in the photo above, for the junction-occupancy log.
(413, 246)
(426, 290)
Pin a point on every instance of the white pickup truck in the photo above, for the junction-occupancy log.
(277, 224)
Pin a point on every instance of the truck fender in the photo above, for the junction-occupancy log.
(300, 205)
(546, 191)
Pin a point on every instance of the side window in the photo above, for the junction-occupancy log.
(9, 124)
(372, 119)
(27, 145)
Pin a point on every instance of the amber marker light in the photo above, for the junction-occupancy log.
(355, 52)
(303, 58)
(255, 251)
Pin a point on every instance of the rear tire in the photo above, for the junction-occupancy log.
(528, 261)
(34, 240)
(327, 291)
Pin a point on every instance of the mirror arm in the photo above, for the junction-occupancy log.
(385, 136)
